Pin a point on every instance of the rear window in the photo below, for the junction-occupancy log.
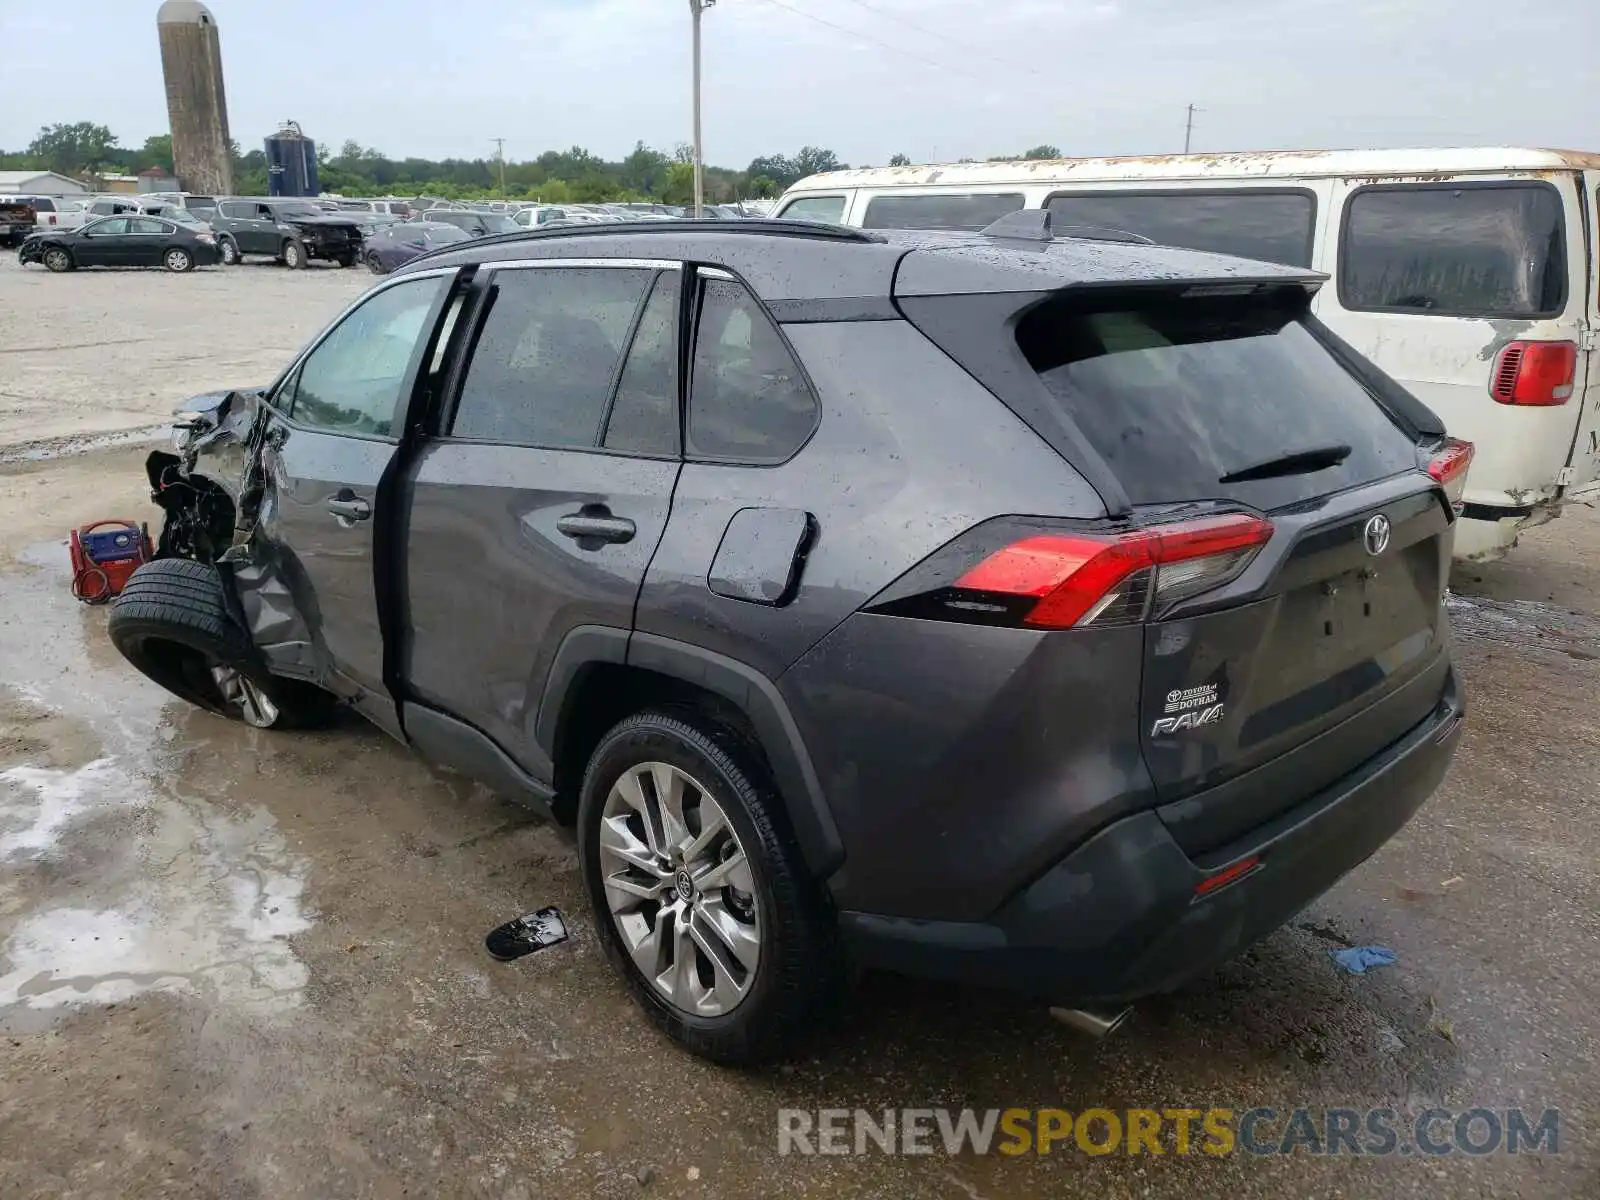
(42, 204)
(971, 212)
(1459, 250)
(1274, 226)
(1175, 395)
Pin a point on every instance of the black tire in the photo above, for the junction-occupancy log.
(798, 981)
(177, 260)
(294, 255)
(173, 624)
(230, 252)
(374, 264)
(57, 260)
(346, 260)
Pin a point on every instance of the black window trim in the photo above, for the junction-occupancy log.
(475, 316)
(1341, 274)
(1273, 190)
(695, 297)
(412, 376)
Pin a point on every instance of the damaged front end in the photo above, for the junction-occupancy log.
(214, 491)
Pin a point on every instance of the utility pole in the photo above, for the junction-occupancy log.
(1188, 127)
(697, 7)
(500, 153)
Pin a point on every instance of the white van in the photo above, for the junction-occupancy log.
(1469, 275)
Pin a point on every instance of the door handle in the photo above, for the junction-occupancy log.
(594, 523)
(347, 506)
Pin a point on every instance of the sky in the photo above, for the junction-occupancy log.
(936, 80)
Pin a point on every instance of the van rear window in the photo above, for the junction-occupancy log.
(1458, 250)
(1177, 395)
(972, 212)
(1274, 226)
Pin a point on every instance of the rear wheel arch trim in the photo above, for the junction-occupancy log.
(752, 693)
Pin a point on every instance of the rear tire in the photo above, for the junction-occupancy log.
(346, 260)
(797, 977)
(374, 264)
(173, 624)
(177, 260)
(57, 260)
(294, 256)
(230, 252)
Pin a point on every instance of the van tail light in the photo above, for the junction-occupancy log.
(1011, 572)
(1534, 374)
(1447, 465)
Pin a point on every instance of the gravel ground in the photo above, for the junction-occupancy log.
(237, 964)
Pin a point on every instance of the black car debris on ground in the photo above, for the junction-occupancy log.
(1047, 613)
(294, 232)
(131, 241)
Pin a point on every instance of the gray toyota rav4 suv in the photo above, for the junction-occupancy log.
(1046, 612)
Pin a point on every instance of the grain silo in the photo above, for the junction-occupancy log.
(197, 105)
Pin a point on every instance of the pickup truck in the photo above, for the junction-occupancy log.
(47, 213)
(16, 220)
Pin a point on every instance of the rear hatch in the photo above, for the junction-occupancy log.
(1277, 665)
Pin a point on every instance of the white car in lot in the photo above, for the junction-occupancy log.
(51, 212)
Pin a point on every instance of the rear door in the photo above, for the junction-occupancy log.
(540, 506)
(1585, 462)
(148, 239)
(1432, 280)
(332, 438)
(1330, 644)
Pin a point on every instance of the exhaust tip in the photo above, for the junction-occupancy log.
(1096, 1023)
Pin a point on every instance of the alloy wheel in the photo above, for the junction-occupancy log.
(680, 890)
(177, 260)
(254, 705)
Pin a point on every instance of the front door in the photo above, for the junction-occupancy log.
(332, 436)
(540, 506)
(105, 244)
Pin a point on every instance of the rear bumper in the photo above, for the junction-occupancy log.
(1118, 919)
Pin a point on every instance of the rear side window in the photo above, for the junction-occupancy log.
(1177, 395)
(748, 400)
(542, 369)
(1456, 250)
(644, 415)
(1274, 226)
(940, 212)
(815, 208)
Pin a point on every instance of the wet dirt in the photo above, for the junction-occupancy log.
(240, 964)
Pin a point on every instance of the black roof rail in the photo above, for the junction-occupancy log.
(768, 226)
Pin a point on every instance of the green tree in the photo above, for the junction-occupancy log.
(762, 188)
(1044, 151)
(156, 152)
(69, 149)
(680, 184)
(899, 160)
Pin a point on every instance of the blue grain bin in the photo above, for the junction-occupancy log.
(292, 163)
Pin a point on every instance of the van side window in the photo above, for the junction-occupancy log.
(748, 400)
(1271, 225)
(1460, 250)
(815, 208)
(971, 212)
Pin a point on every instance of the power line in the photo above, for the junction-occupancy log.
(893, 49)
(943, 37)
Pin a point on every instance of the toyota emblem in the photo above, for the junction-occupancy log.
(1376, 535)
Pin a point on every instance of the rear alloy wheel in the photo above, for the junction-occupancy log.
(374, 263)
(699, 893)
(177, 260)
(294, 256)
(57, 260)
(230, 252)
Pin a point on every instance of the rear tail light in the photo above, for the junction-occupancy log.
(1534, 374)
(1061, 580)
(1448, 468)
(1229, 874)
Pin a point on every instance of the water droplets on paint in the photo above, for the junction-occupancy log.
(165, 891)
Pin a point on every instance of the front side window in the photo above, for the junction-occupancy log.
(542, 368)
(1455, 250)
(352, 383)
(1273, 226)
(815, 208)
(748, 399)
(972, 212)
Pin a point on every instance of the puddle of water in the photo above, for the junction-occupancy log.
(128, 883)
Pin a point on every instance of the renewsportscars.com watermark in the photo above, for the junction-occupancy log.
(1376, 1132)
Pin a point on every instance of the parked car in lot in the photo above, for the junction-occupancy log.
(49, 212)
(474, 224)
(136, 241)
(294, 232)
(391, 248)
(1055, 614)
(17, 219)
